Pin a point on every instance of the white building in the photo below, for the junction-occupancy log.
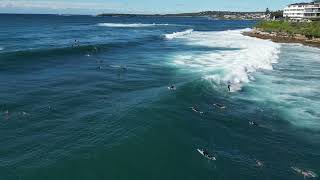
(302, 11)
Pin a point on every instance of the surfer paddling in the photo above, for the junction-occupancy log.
(206, 154)
(76, 43)
(252, 123)
(172, 88)
(195, 109)
(305, 173)
(259, 163)
(219, 106)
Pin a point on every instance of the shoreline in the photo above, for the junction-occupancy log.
(283, 37)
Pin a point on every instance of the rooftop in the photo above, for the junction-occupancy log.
(304, 3)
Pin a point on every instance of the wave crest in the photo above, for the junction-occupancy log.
(240, 57)
(178, 34)
(133, 25)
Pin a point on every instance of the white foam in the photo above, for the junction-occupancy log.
(235, 58)
(178, 34)
(1, 48)
(293, 91)
(134, 25)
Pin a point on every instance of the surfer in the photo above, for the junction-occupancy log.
(124, 68)
(206, 154)
(195, 109)
(305, 173)
(172, 87)
(220, 106)
(76, 43)
(252, 123)
(259, 163)
(229, 87)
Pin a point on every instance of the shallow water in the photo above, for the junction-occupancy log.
(102, 110)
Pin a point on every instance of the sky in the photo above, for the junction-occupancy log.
(137, 6)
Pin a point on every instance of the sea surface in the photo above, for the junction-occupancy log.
(87, 98)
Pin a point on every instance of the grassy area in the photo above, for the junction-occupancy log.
(311, 29)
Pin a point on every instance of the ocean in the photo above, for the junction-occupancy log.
(85, 97)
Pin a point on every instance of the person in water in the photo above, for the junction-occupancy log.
(220, 106)
(252, 123)
(195, 109)
(172, 87)
(124, 68)
(76, 43)
(229, 87)
(259, 163)
(305, 173)
(205, 153)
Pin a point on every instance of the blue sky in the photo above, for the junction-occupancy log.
(136, 6)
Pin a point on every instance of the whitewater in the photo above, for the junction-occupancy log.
(241, 61)
(239, 58)
(130, 25)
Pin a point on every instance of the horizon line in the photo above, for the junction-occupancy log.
(22, 13)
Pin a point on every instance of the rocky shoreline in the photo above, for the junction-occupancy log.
(284, 37)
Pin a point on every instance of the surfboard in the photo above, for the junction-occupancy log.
(172, 89)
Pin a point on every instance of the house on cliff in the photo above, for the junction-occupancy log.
(303, 11)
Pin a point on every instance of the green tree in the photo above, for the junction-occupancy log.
(267, 11)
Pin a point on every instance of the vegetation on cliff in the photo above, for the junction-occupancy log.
(309, 29)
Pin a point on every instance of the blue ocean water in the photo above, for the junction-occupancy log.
(84, 97)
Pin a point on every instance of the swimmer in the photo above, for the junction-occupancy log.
(99, 67)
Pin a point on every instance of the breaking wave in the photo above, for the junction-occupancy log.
(236, 56)
(134, 25)
(178, 34)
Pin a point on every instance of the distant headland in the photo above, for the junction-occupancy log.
(226, 15)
